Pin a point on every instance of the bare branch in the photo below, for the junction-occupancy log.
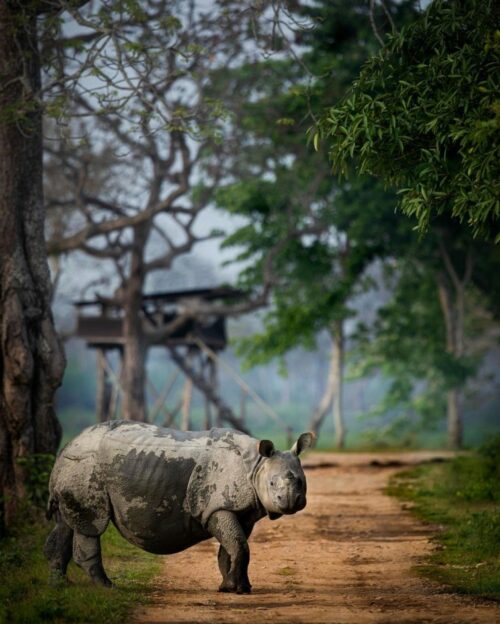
(373, 24)
(458, 283)
(389, 16)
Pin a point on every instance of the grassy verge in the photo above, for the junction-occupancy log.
(25, 595)
(462, 497)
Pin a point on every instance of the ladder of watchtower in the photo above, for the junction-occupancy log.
(265, 407)
(225, 412)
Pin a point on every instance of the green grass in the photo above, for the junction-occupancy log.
(461, 497)
(26, 597)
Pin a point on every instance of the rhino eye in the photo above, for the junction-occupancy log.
(272, 483)
(299, 482)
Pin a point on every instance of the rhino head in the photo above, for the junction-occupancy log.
(280, 481)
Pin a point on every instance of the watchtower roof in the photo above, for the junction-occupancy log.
(103, 327)
(172, 296)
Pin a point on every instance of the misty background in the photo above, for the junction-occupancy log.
(292, 387)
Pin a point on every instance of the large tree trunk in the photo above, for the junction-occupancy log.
(454, 418)
(451, 290)
(333, 392)
(31, 356)
(135, 347)
(338, 385)
(321, 411)
(134, 366)
(453, 404)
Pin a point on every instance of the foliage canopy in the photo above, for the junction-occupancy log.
(321, 232)
(424, 116)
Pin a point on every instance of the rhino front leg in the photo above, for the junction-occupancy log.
(87, 554)
(234, 554)
(224, 560)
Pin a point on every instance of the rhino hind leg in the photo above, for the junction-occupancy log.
(58, 549)
(87, 554)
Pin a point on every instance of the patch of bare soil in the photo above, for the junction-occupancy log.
(349, 557)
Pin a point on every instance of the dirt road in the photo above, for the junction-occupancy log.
(347, 558)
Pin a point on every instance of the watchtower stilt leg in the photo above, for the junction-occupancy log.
(103, 394)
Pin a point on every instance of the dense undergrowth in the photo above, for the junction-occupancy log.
(461, 497)
(27, 598)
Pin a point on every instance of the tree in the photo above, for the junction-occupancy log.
(31, 357)
(140, 212)
(433, 139)
(424, 115)
(320, 267)
(408, 345)
(327, 239)
(102, 55)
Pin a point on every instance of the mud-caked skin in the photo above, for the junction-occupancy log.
(166, 490)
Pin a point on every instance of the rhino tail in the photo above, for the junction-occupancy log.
(52, 507)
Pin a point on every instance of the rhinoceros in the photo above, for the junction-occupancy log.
(166, 490)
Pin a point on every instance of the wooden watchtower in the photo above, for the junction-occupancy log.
(192, 346)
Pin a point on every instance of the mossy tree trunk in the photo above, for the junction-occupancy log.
(31, 356)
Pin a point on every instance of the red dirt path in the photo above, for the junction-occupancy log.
(348, 558)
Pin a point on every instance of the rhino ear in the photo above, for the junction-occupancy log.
(305, 441)
(266, 448)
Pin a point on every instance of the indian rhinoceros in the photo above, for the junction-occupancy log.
(166, 490)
